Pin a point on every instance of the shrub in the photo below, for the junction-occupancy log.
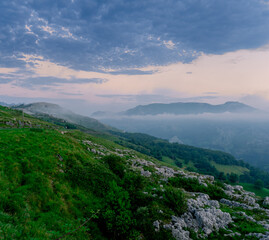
(115, 164)
(117, 216)
(175, 199)
(192, 185)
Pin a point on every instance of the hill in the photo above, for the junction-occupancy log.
(188, 108)
(245, 136)
(59, 112)
(221, 165)
(59, 183)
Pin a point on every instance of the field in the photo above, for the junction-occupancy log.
(230, 168)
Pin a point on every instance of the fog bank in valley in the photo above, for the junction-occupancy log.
(246, 136)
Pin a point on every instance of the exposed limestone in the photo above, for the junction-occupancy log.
(235, 204)
(145, 173)
(156, 225)
(266, 201)
(198, 217)
(248, 218)
(259, 235)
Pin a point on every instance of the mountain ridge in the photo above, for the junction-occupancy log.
(59, 112)
(188, 108)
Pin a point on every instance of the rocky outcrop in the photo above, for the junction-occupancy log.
(203, 216)
(266, 201)
(237, 193)
(202, 213)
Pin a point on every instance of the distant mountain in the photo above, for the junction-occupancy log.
(6, 104)
(188, 108)
(101, 114)
(59, 112)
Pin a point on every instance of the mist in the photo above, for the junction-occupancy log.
(246, 135)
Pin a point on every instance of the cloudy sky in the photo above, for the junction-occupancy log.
(111, 55)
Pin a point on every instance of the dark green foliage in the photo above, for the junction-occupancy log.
(117, 215)
(115, 164)
(158, 148)
(88, 175)
(178, 163)
(258, 184)
(192, 185)
(36, 129)
(175, 199)
(232, 177)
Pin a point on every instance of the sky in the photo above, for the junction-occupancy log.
(90, 55)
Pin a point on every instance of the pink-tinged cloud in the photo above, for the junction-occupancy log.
(233, 75)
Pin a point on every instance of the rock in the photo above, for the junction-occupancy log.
(238, 188)
(248, 218)
(266, 201)
(93, 151)
(233, 234)
(201, 201)
(180, 234)
(250, 201)
(145, 173)
(236, 204)
(198, 217)
(212, 218)
(156, 225)
(165, 171)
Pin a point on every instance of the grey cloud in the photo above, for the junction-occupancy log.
(52, 81)
(90, 35)
(132, 72)
(71, 94)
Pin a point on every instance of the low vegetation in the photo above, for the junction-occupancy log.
(59, 182)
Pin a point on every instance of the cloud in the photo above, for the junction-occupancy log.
(152, 98)
(52, 81)
(89, 35)
(211, 93)
(137, 98)
(42, 73)
(132, 72)
(71, 94)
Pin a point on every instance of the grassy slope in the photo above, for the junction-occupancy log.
(230, 168)
(166, 159)
(33, 184)
(50, 184)
(10, 118)
(264, 192)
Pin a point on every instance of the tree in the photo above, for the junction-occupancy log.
(233, 178)
(258, 184)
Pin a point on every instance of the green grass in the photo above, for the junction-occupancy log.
(50, 184)
(171, 162)
(40, 193)
(264, 192)
(10, 118)
(230, 168)
(242, 225)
